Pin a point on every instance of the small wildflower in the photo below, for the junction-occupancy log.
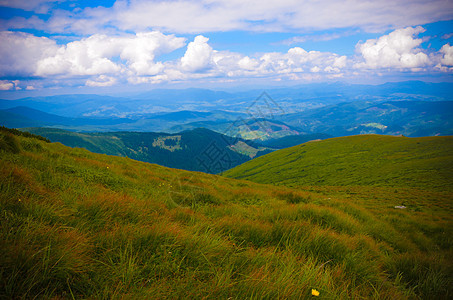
(20, 200)
(314, 292)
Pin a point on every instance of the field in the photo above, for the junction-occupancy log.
(75, 224)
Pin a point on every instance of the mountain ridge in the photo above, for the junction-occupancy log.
(208, 151)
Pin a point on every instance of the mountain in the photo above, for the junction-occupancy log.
(365, 160)
(76, 224)
(257, 129)
(288, 100)
(39, 116)
(410, 118)
(195, 150)
(22, 116)
(16, 121)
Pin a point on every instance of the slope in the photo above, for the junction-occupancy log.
(75, 224)
(364, 160)
(195, 150)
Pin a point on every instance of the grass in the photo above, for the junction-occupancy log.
(365, 160)
(74, 224)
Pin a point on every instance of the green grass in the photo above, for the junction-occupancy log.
(365, 160)
(74, 224)
(210, 152)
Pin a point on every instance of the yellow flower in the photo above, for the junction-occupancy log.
(314, 292)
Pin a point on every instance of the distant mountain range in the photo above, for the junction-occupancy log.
(289, 100)
(409, 118)
(195, 150)
(279, 118)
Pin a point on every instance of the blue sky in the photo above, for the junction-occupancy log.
(133, 45)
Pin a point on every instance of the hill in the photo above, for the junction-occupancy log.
(75, 224)
(23, 116)
(365, 160)
(257, 129)
(410, 118)
(196, 150)
(13, 120)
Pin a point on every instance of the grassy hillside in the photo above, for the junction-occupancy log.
(194, 150)
(365, 160)
(75, 224)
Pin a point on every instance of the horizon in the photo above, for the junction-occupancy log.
(111, 47)
(24, 94)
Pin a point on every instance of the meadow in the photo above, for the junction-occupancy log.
(75, 224)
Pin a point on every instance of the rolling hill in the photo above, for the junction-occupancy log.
(410, 118)
(257, 129)
(23, 116)
(196, 150)
(365, 160)
(75, 224)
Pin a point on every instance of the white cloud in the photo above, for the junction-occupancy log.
(102, 60)
(315, 69)
(139, 52)
(101, 81)
(39, 6)
(96, 55)
(398, 49)
(85, 57)
(20, 52)
(248, 63)
(317, 38)
(198, 56)
(340, 62)
(187, 16)
(447, 55)
(6, 85)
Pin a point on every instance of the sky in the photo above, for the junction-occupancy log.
(132, 45)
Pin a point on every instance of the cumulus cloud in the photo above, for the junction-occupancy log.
(101, 60)
(20, 52)
(86, 57)
(198, 55)
(398, 49)
(96, 54)
(6, 85)
(447, 55)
